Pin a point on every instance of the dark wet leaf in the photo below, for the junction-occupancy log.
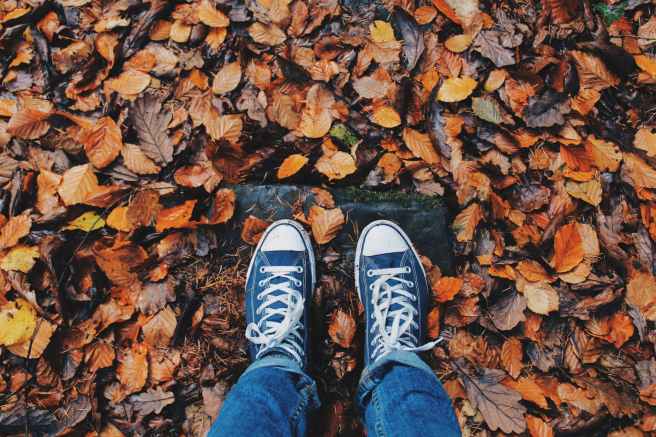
(546, 110)
(413, 39)
(488, 43)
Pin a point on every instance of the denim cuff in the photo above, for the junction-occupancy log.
(305, 384)
(372, 375)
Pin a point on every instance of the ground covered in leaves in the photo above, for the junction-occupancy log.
(125, 125)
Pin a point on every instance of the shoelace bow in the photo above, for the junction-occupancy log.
(284, 334)
(394, 336)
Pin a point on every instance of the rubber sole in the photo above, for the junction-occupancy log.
(358, 249)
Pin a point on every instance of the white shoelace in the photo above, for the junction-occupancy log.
(396, 336)
(283, 334)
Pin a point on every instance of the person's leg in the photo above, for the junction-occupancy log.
(274, 395)
(398, 394)
(272, 398)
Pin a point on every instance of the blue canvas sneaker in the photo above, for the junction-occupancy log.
(280, 280)
(393, 288)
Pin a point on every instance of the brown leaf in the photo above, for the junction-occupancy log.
(511, 356)
(137, 161)
(175, 217)
(132, 368)
(159, 330)
(210, 16)
(129, 83)
(508, 311)
(568, 248)
(227, 79)
(342, 329)
(529, 390)
(223, 207)
(16, 228)
(30, 122)
(316, 117)
(78, 184)
(252, 230)
(151, 401)
(163, 364)
(102, 142)
(270, 35)
(641, 293)
(541, 298)
(151, 124)
(498, 404)
(465, 223)
(226, 127)
(325, 223)
(538, 427)
(420, 145)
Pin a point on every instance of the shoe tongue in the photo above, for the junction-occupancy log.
(283, 258)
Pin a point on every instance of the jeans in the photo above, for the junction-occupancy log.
(398, 395)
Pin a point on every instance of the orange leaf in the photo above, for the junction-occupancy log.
(102, 142)
(132, 369)
(342, 329)
(226, 127)
(316, 117)
(420, 145)
(511, 356)
(641, 293)
(129, 83)
(16, 228)
(447, 287)
(445, 9)
(533, 271)
(538, 427)
(210, 16)
(529, 389)
(253, 229)
(30, 122)
(425, 14)
(568, 248)
(325, 223)
(336, 165)
(434, 323)
(466, 221)
(386, 116)
(175, 217)
(223, 207)
(77, 184)
(291, 165)
(621, 329)
(227, 79)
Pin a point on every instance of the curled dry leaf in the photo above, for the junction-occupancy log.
(291, 165)
(325, 223)
(342, 329)
(252, 230)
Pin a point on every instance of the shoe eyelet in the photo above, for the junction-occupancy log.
(298, 283)
(373, 317)
(261, 269)
(411, 284)
(259, 296)
(414, 298)
(370, 273)
(371, 287)
(299, 269)
(260, 284)
(408, 270)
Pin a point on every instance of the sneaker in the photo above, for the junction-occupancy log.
(280, 280)
(393, 288)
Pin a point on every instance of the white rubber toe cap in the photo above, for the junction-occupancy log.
(283, 237)
(383, 239)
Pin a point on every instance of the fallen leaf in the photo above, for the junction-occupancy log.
(30, 122)
(386, 116)
(511, 356)
(227, 79)
(37, 342)
(446, 288)
(87, 222)
(541, 298)
(342, 329)
(291, 165)
(210, 16)
(456, 89)
(16, 228)
(175, 217)
(226, 127)
(159, 330)
(252, 230)
(270, 35)
(17, 322)
(151, 401)
(151, 123)
(129, 83)
(538, 427)
(137, 161)
(336, 165)
(325, 223)
(132, 368)
(641, 293)
(20, 258)
(589, 191)
(381, 31)
(529, 390)
(568, 248)
(465, 223)
(645, 140)
(223, 207)
(458, 43)
(420, 145)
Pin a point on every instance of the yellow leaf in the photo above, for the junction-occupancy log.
(87, 222)
(381, 31)
(325, 223)
(541, 298)
(34, 348)
(291, 165)
(495, 80)
(336, 165)
(20, 258)
(458, 43)
(227, 79)
(180, 32)
(386, 116)
(646, 64)
(420, 145)
(118, 219)
(645, 140)
(456, 89)
(14, 229)
(210, 16)
(269, 35)
(589, 191)
(129, 83)
(17, 322)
